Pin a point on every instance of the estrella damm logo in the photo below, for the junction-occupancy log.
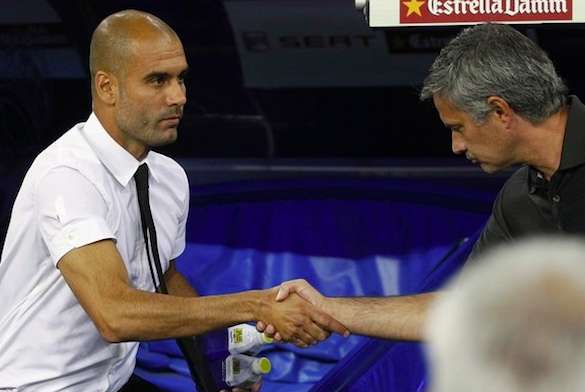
(469, 11)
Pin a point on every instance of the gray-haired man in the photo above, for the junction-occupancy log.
(501, 98)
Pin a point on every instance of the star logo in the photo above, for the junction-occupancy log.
(413, 7)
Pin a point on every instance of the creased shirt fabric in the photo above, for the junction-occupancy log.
(78, 191)
(529, 205)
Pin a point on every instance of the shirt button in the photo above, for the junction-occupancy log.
(556, 198)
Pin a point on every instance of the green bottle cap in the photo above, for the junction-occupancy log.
(266, 339)
(264, 365)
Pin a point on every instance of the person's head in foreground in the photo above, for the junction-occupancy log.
(513, 322)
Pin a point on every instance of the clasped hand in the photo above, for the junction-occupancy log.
(292, 315)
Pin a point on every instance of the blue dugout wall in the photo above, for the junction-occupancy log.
(349, 236)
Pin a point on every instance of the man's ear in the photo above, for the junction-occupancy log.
(106, 87)
(501, 110)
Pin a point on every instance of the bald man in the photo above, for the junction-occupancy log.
(77, 287)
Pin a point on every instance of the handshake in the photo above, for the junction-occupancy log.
(296, 312)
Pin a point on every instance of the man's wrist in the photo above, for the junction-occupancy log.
(258, 304)
(331, 306)
(325, 304)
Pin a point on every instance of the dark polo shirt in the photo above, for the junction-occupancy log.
(529, 205)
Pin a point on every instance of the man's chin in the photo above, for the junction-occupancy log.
(490, 169)
(167, 136)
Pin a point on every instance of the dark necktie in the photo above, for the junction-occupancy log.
(189, 347)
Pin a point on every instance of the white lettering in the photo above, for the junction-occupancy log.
(448, 10)
(497, 7)
(507, 7)
(482, 9)
(512, 7)
(524, 7)
(458, 5)
(559, 6)
(433, 6)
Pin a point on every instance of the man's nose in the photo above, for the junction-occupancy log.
(177, 94)
(457, 143)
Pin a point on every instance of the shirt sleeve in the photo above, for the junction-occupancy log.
(71, 212)
(180, 240)
(494, 232)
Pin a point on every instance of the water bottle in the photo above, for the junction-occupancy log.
(245, 338)
(240, 370)
(231, 352)
(239, 339)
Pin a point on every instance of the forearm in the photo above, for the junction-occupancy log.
(400, 318)
(177, 284)
(141, 315)
(98, 277)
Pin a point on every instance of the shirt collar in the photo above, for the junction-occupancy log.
(119, 162)
(574, 142)
(536, 181)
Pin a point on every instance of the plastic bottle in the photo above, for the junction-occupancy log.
(245, 338)
(243, 371)
(239, 339)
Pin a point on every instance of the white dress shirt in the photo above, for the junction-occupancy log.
(78, 191)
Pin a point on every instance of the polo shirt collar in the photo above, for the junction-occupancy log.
(120, 163)
(573, 153)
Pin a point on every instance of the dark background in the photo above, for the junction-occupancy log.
(224, 121)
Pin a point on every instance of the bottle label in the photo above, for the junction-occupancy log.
(237, 335)
(236, 367)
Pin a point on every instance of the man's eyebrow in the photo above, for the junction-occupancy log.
(164, 75)
(157, 75)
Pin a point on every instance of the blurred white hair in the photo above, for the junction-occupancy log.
(513, 322)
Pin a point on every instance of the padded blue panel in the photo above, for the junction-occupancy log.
(347, 237)
(378, 365)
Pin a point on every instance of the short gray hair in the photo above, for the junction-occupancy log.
(496, 60)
